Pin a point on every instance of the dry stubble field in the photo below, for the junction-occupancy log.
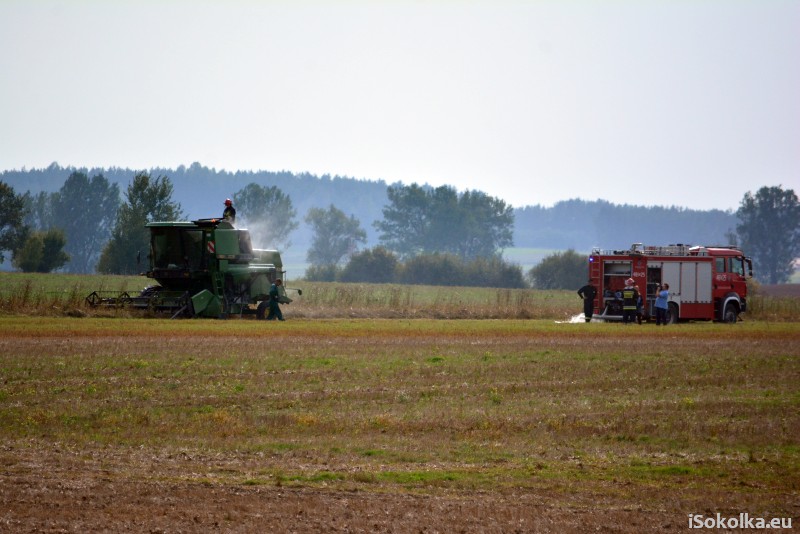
(358, 425)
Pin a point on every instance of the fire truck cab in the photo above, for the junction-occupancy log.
(706, 283)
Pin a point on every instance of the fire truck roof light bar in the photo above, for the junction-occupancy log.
(668, 250)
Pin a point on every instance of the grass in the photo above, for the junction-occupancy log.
(417, 404)
(410, 301)
(60, 294)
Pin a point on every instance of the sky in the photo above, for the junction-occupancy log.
(688, 103)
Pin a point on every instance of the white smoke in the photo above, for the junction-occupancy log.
(263, 234)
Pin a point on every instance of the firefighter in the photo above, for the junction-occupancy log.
(274, 298)
(588, 293)
(230, 212)
(630, 299)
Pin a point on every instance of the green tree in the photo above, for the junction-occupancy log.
(406, 220)
(335, 235)
(446, 269)
(54, 250)
(39, 210)
(28, 256)
(322, 273)
(85, 209)
(486, 225)
(147, 200)
(437, 269)
(469, 225)
(12, 227)
(267, 212)
(377, 266)
(42, 252)
(770, 232)
(562, 270)
(493, 271)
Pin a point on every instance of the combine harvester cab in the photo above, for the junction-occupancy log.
(205, 268)
(705, 283)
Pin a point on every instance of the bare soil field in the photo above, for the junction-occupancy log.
(148, 425)
(61, 491)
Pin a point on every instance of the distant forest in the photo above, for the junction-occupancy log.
(569, 224)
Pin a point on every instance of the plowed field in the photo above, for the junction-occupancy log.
(150, 425)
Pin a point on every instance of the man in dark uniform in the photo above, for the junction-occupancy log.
(230, 212)
(588, 293)
(630, 299)
(274, 298)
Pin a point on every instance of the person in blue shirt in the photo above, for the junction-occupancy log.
(662, 295)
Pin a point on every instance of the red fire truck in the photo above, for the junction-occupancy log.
(707, 283)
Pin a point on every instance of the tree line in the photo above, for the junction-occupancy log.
(88, 227)
(425, 235)
(576, 224)
(581, 225)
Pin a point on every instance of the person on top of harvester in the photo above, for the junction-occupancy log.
(230, 212)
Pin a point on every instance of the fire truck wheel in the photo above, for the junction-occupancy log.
(731, 313)
(261, 311)
(672, 313)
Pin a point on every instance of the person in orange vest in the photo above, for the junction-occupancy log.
(630, 299)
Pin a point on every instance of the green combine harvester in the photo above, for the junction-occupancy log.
(204, 268)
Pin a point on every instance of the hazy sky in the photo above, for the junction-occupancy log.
(681, 102)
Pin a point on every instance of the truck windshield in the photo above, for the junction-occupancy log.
(737, 266)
